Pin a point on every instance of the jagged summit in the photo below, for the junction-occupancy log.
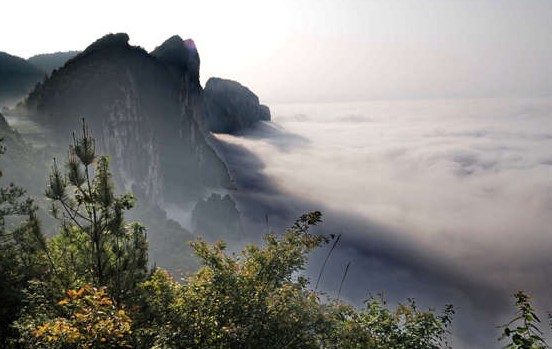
(175, 45)
(190, 44)
(109, 41)
(179, 53)
(142, 109)
(174, 42)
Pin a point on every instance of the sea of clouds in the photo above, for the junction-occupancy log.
(448, 201)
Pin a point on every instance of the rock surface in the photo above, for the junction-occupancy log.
(229, 107)
(182, 56)
(142, 111)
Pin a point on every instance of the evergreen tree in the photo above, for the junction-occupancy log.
(95, 246)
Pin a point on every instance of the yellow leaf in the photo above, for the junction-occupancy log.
(79, 292)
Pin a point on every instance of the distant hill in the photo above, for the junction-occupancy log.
(17, 78)
(48, 62)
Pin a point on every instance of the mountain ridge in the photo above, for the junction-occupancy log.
(133, 100)
(48, 62)
(17, 77)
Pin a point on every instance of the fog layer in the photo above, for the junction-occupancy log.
(448, 201)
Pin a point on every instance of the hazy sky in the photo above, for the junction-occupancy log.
(305, 50)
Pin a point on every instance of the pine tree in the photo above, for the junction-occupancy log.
(95, 245)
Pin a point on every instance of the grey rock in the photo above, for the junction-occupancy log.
(142, 112)
(229, 107)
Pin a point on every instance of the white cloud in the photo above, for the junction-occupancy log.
(457, 191)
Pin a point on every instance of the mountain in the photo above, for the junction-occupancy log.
(230, 107)
(182, 57)
(143, 109)
(48, 62)
(17, 78)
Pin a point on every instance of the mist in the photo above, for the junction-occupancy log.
(447, 201)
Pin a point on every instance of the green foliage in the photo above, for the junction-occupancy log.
(248, 301)
(378, 326)
(158, 318)
(523, 331)
(94, 246)
(22, 247)
(89, 320)
(259, 300)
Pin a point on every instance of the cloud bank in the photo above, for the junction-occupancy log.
(446, 201)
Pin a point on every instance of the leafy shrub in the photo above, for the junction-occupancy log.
(90, 320)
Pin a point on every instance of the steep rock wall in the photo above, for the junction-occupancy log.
(143, 109)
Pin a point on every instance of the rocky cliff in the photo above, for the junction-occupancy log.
(229, 107)
(143, 110)
(149, 112)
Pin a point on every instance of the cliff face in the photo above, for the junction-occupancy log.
(142, 108)
(230, 107)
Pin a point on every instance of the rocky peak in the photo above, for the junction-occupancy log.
(181, 54)
(229, 107)
(141, 109)
(109, 41)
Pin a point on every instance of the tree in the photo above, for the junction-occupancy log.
(259, 300)
(376, 325)
(89, 319)
(22, 247)
(523, 330)
(94, 246)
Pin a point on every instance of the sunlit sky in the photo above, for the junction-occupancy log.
(319, 50)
